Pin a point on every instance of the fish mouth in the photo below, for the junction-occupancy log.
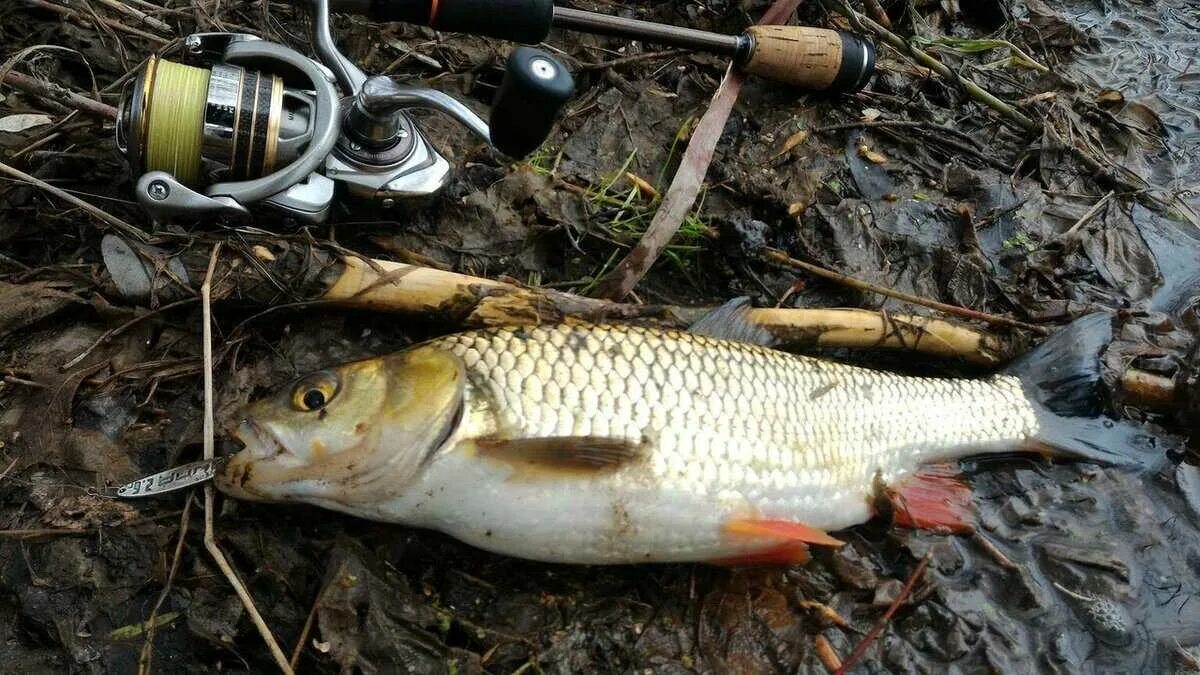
(259, 443)
(236, 478)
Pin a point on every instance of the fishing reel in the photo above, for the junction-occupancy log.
(238, 121)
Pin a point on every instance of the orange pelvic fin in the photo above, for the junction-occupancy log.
(783, 530)
(934, 498)
(790, 553)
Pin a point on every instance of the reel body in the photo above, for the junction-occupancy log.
(238, 121)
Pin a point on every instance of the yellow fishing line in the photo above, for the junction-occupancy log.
(175, 124)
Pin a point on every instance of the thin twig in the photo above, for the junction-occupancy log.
(96, 211)
(781, 258)
(139, 15)
(870, 637)
(110, 334)
(629, 60)
(685, 186)
(1092, 213)
(144, 659)
(210, 541)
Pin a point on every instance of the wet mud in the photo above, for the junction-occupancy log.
(909, 184)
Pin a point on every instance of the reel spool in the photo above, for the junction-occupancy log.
(252, 121)
(194, 123)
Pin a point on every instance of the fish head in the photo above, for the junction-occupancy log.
(350, 436)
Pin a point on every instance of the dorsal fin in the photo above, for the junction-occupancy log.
(731, 321)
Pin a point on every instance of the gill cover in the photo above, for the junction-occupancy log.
(350, 436)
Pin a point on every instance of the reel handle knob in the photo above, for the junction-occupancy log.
(536, 87)
(812, 58)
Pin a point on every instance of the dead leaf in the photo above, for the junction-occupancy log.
(870, 155)
(24, 304)
(19, 123)
(871, 114)
(1037, 98)
(1110, 97)
(263, 253)
(86, 512)
(791, 143)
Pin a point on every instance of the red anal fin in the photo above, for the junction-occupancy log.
(934, 498)
(783, 530)
(790, 553)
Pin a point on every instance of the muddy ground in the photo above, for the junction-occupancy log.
(909, 184)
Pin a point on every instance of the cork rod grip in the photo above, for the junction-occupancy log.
(812, 58)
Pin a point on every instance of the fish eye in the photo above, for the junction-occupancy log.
(315, 392)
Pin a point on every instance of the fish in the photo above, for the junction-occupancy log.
(615, 444)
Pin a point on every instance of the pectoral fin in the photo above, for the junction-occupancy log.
(563, 453)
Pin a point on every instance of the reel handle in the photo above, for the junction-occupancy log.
(536, 86)
(526, 21)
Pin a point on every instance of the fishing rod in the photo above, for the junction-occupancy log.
(813, 58)
(232, 122)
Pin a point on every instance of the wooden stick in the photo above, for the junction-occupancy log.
(315, 276)
(210, 541)
(476, 302)
(1150, 391)
(58, 94)
(782, 258)
(685, 186)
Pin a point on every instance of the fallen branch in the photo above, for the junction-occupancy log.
(210, 540)
(685, 186)
(781, 258)
(58, 94)
(304, 276)
(866, 25)
(901, 597)
(477, 302)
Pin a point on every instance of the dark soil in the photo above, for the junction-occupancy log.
(1075, 569)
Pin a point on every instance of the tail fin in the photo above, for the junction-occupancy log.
(1061, 378)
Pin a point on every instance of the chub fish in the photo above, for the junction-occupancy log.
(614, 444)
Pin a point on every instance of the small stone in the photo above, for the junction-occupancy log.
(1016, 512)
(886, 592)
